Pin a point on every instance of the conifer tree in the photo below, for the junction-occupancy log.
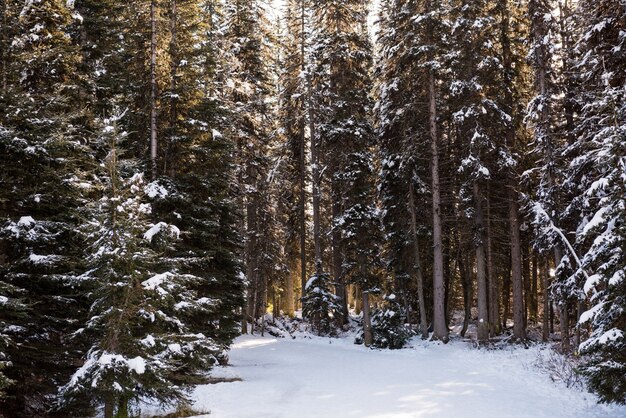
(42, 155)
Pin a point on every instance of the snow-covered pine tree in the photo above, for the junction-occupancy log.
(397, 120)
(141, 331)
(320, 306)
(42, 158)
(347, 137)
(479, 121)
(293, 123)
(599, 175)
(250, 87)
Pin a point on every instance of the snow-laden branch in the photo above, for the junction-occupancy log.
(541, 213)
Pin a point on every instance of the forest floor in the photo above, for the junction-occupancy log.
(322, 377)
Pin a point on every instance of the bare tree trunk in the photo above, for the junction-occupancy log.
(302, 207)
(3, 47)
(315, 169)
(439, 291)
(287, 299)
(492, 280)
(109, 405)
(519, 329)
(418, 265)
(563, 308)
(546, 302)
(467, 293)
(367, 321)
(173, 74)
(481, 268)
(534, 288)
(337, 254)
(153, 88)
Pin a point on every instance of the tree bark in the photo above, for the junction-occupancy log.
(367, 321)
(563, 308)
(546, 302)
(337, 253)
(173, 100)
(439, 291)
(533, 308)
(302, 208)
(519, 329)
(481, 268)
(492, 280)
(3, 47)
(315, 171)
(418, 265)
(153, 88)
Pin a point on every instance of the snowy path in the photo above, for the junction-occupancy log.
(315, 378)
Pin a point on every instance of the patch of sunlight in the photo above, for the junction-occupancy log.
(254, 343)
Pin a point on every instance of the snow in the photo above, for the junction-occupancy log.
(320, 377)
(137, 364)
(26, 221)
(155, 229)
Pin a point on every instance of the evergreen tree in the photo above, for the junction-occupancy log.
(43, 158)
(601, 185)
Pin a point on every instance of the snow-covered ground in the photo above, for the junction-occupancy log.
(320, 377)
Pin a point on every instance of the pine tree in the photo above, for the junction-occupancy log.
(143, 327)
(601, 187)
(343, 57)
(43, 158)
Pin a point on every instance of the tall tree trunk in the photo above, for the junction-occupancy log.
(367, 321)
(302, 208)
(167, 163)
(545, 277)
(439, 291)
(492, 280)
(315, 171)
(153, 88)
(109, 406)
(467, 293)
(287, 298)
(534, 288)
(481, 268)
(519, 330)
(563, 307)
(418, 265)
(337, 253)
(4, 55)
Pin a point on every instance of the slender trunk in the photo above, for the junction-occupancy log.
(153, 88)
(3, 47)
(173, 98)
(467, 293)
(367, 321)
(481, 268)
(519, 330)
(546, 301)
(302, 207)
(563, 308)
(315, 169)
(109, 406)
(534, 288)
(418, 265)
(337, 254)
(358, 299)
(287, 298)
(494, 314)
(439, 308)
(526, 273)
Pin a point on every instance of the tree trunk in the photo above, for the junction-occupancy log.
(109, 406)
(3, 47)
(519, 330)
(367, 321)
(302, 207)
(467, 293)
(337, 254)
(315, 169)
(418, 266)
(481, 268)
(563, 308)
(546, 302)
(534, 289)
(167, 163)
(287, 299)
(492, 280)
(153, 88)
(439, 291)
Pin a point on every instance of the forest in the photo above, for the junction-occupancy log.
(177, 173)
